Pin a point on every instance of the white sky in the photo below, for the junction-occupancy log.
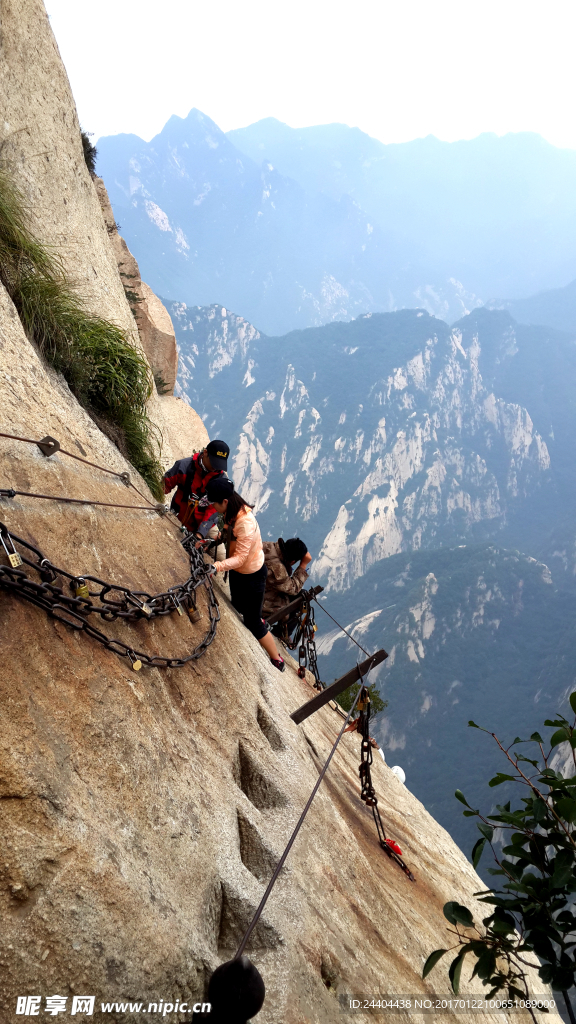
(398, 69)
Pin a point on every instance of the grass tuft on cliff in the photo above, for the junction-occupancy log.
(107, 374)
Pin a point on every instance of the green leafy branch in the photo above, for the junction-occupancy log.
(533, 913)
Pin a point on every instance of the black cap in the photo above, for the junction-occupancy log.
(218, 452)
(219, 488)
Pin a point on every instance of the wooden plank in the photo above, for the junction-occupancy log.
(332, 691)
(294, 605)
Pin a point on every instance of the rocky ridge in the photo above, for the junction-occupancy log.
(390, 433)
(294, 228)
(153, 321)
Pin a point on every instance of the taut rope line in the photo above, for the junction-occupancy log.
(290, 843)
(9, 492)
(341, 627)
(49, 446)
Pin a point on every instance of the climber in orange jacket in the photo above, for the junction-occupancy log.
(245, 564)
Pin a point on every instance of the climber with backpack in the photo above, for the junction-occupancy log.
(245, 563)
(283, 582)
(191, 477)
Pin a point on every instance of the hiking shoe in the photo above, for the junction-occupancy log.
(278, 663)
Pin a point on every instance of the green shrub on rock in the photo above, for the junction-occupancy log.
(105, 372)
(532, 921)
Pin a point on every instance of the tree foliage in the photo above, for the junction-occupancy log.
(532, 921)
(346, 699)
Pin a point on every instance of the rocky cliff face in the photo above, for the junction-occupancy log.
(41, 146)
(142, 813)
(40, 138)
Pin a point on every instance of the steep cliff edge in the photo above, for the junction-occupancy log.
(152, 318)
(142, 813)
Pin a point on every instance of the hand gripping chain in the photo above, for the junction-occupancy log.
(115, 602)
(368, 793)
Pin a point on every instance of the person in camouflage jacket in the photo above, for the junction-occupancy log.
(283, 583)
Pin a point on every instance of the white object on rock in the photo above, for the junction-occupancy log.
(381, 752)
(399, 773)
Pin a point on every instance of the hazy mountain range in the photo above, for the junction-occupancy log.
(554, 308)
(427, 460)
(293, 228)
(429, 469)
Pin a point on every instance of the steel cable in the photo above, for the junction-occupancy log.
(10, 492)
(341, 627)
(297, 828)
(121, 476)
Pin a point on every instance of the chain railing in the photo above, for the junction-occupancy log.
(302, 634)
(368, 793)
(93, 596)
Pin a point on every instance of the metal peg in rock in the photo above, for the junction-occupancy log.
(48, 446)
(235, 992)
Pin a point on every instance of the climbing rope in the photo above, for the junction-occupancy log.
(109, 600)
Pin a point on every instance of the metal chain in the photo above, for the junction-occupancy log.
(368, 793)
(304, 638)
(307, 650)
(115, 602)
